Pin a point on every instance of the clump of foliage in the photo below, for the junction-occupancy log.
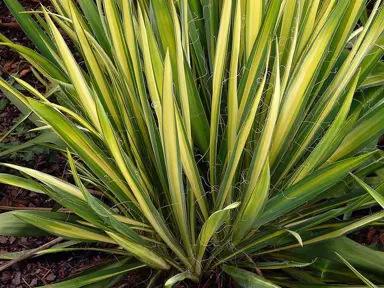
(233, 136)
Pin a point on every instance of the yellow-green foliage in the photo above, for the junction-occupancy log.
(220, 133)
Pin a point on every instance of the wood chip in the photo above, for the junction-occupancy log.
(17, 278)
(51, 277)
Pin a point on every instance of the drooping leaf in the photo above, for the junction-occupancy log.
(171, 282)
(11, 225)
(62, 228)
(209, 228)
(98, 274)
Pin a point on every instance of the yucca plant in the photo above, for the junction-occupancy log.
(207, 136)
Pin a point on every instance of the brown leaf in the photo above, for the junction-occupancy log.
(8, 65)
(12, 25)
(382, 238)
(370, 234)
(25, 72)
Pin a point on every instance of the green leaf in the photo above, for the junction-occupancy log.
(309, 187)
(58, 247)
(218, 75)
(74, 73)
(183, 91)
(171, 282)
(329, 141)
(297, 236)
(18, 100)
(256, 62)
(43, 138)
(360, 136)
(254, 15)
(170, 111)
(12, 225)
(172, 156)
(331, 233)
(376, 78)
(99, 208)
(358, 255)
(49, 180)
(377, 196)
(364, 279)
(98, 274)
(15, 126)
(257, 190)
(301, 84)
(31, 28)
(96, 23)
(235, 155)
(247, 279)
(276, 265)
(62, 249)
(141, 252)
(20, 182)
(254, 207)
(209, 228)
(232, 86)
(79, 142)
(145, 203)
(64, 229)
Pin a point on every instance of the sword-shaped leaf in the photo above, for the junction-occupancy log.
(358, 274)
(218, 75)
(247, 279)
(376, 195)
(99, 274)
(141, 252)
(309, 187)
(64, 229)
(172, 156)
